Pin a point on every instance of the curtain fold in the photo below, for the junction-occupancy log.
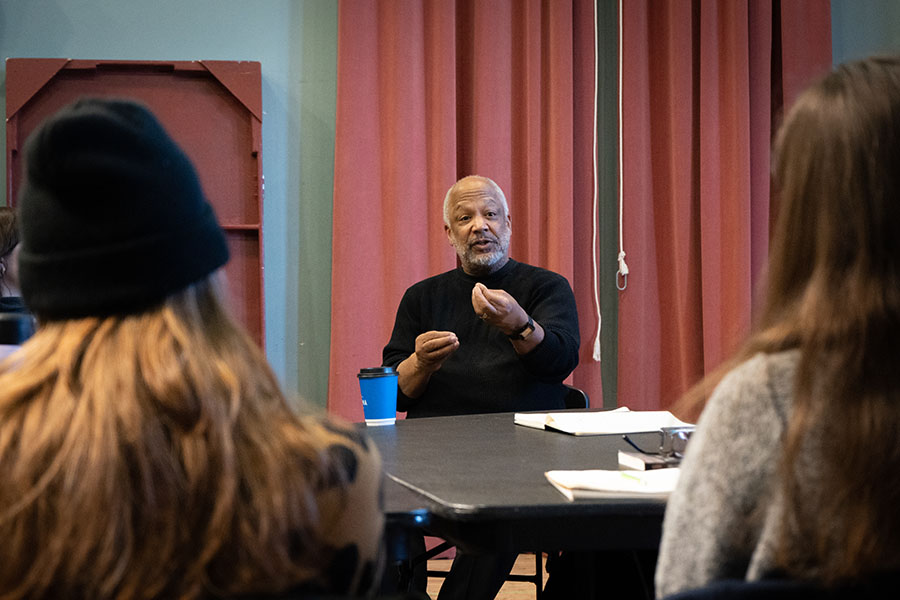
(703, 82)
(432, 91)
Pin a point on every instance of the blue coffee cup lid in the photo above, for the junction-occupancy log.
(376, 372)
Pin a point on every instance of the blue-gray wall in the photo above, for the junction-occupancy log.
(860, 28)
(296, 43)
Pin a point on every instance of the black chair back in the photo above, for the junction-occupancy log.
(15, 328)
(576, 398)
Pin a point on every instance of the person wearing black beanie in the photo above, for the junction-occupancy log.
(146, 448)
(112, 215)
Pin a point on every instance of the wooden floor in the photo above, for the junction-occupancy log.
(511, 590)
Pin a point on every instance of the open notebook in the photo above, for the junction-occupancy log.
(598, 483)
(620, 420)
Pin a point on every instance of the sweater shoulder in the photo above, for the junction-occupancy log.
(430, 283)
(759, 388)
(535, 271)
(538, 275)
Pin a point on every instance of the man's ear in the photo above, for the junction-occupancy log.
(447, 231)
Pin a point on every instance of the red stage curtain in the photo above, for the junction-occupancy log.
(430, 91)
(704, 82)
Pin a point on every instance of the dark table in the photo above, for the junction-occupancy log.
(478, 482)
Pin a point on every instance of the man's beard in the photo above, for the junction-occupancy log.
(480, 260)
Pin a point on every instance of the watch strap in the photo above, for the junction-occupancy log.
(528, 326)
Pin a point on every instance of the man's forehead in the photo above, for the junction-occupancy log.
(467, 195)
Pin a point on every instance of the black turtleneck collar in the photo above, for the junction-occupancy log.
(486, 279)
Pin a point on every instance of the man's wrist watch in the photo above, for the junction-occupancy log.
(523, 333)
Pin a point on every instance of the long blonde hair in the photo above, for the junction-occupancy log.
(154, 456)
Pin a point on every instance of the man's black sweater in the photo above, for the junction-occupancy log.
(485, 374)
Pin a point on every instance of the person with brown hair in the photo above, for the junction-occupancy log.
(793, 467)
(146, 450)
(10, 300)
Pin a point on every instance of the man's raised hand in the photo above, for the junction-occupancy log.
(498, 308)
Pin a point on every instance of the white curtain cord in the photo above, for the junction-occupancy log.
(596, 199)
(622, 273)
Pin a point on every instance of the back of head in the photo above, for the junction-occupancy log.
(834, 294)
(837, 173)
(112, 216)
(146, 449)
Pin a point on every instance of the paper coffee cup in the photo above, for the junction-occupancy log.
(378, 386)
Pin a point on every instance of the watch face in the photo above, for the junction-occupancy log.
(522, 334)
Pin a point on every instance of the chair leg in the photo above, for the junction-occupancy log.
(537, 578)
(426, 556)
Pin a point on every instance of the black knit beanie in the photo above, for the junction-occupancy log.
(111, 214)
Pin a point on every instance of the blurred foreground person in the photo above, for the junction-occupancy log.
(16, 324)
(10, 297)
(792, 471)
(146, 450)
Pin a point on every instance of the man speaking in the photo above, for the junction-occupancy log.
(493, 335)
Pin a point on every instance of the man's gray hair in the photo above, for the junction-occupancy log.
(486, 180)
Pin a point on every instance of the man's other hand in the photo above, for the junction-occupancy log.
(433, 348)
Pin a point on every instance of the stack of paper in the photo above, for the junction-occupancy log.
(618, 421)
(598, 483)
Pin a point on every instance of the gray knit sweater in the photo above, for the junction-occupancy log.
(723, 519)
